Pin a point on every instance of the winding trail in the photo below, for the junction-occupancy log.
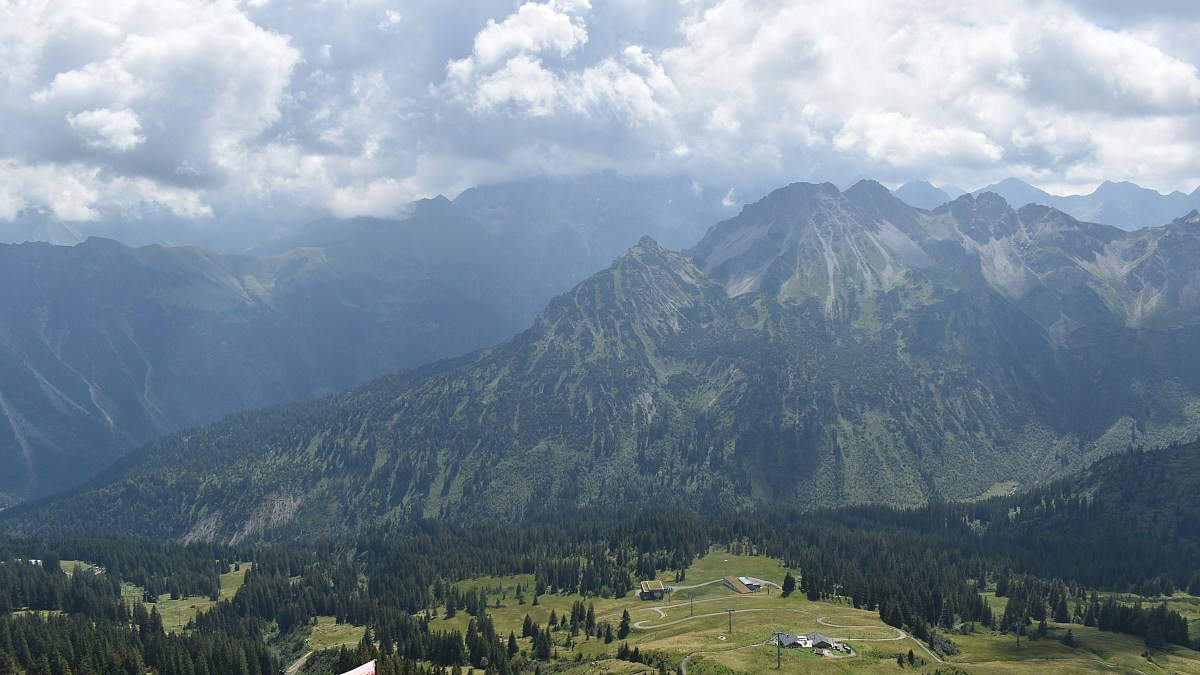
(641, 625)
(299, 663)
(900, 635)
(295, 667)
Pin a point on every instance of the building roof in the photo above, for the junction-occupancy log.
(787, 639)
(652, 585)
(814, 638)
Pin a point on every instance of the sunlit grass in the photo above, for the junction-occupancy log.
(696, 621)
(328, 633)
(177, 613)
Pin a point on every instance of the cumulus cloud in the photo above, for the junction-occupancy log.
(202, 107)
(115, 130)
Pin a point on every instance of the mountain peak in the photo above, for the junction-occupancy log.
(869, 189)
(878, 200)
(922, 194)
(648, 242)
(983, 216)
(1018, 192)
(1192, 218)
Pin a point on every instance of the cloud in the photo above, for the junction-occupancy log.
(552, 27)
(900, 140)
(76, 192)
(113, 92)
(288, 108)
(115, 130)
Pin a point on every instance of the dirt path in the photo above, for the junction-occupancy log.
(299, 663)
(900, 635)
(641, 625)
(295, 667)
(662, 614)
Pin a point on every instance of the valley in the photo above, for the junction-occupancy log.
(952, 583)
(565, 337)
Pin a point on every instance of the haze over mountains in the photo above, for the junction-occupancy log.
(103, 347)
(1123, 204)
(536, 210)
(820, 348)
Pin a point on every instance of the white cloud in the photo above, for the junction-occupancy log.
(523, 83)
(115, 130)
(899, 140)
(160, 93)
(390, 18)
(552, 27)
(203, 106)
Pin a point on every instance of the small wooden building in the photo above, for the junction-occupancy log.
(652, 590)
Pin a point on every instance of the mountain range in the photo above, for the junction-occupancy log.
(821, 348)
(1122, 204)
(103, 346)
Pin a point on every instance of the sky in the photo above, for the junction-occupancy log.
(199, 109)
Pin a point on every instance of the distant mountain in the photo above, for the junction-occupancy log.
(39, 226)
(1123, 205)
(103, 347)
(572, 227)
(1129, 206)
(923, 195)
(820, 348)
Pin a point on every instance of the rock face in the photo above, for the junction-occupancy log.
(820, 348)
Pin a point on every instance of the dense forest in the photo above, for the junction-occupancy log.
(921, 569)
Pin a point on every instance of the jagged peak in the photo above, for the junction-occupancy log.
(649, 253)
(984, 216)
(869, 189)
(794, 192)
(648, 242)
(1189, 219)
(974, 202)
(990, 198)
(877, 199)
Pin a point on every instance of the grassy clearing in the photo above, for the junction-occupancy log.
(1001, 489)
(177, 613)
(696, 621)
(327, 633)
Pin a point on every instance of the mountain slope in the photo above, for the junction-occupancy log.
(821, 348)
(103, 347)
(924, 195)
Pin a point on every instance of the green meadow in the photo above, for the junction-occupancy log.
(695, 623)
